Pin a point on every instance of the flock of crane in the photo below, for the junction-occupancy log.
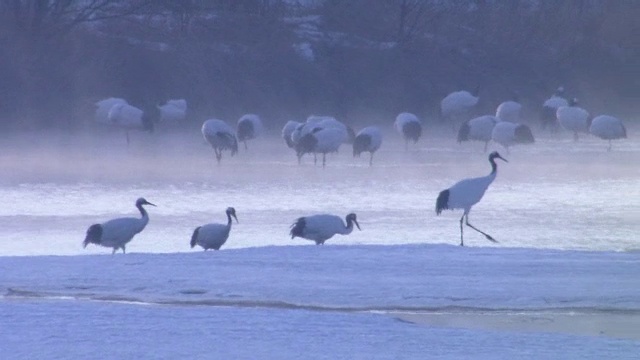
(320, 135)
(325, 134)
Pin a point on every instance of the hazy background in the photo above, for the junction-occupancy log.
(362, 61)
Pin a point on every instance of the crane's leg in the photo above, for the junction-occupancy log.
(123, 250)
(371, 159)
(315, 159)
(245, 145)
(114, 251)
(324, 159)
(218, 155)
(609, 148)
(480, 231)
(406, 145)
(461, 231)
(127, 134)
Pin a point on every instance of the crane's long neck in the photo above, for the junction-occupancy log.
(494, 171)
(229, 221)
(348, 229)
(145, 215)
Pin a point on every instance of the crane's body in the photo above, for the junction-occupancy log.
(368, 140)
(287, 131)
(508, 134)
(509, 111)
(129, 117)
(249, 127)
(118, 232)
(220, 136)
(104, 106)
(479, 128)
(573, 118)
(457, 106)
(322, 227)
(213, 236)
(409, 127)
(174, 111)
(550, 107)
(320, 141)
(607, 127)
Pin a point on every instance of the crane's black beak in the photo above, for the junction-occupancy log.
(148, 203)
(357, 225)
(500, 157)
(235, 217)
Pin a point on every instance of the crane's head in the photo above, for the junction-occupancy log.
(232, 212)
(143, 201)
(351, 218)
(496, 155)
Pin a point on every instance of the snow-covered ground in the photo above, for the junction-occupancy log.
(561, 284)
(332, 302)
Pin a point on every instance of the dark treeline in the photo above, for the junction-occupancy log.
(358, 60)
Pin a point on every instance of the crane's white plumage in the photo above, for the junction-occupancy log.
(129, 118)
(314, 122)
(409, 127)
(479, 128)
(607, 127)
(213, 236)
(173, 111)
(103, 108)
(509, 111)
(320, 141)
(507, 134)
(249, 127)
(550, 107)
(320, 135)
(287, 131)
(321, 227)
(118, 232)
(457, 106)
(368, 140)
(466, 193)
(573, 118)
(220, 136)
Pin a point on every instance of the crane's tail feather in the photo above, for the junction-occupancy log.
(297, 228)
(443, 201)
(94, 234)
(194, 237)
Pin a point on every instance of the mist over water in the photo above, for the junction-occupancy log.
(552, 194)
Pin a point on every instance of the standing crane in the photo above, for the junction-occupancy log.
(479, 128)
(220, 136)
(213, 236)
(368, 140)
(466, 193)
(409, 126)
(249, 127)
(116, 233)
(607, 127)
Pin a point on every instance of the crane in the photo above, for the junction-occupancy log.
(322, 227)
(466, 193)
(116, 233)
(213, 236)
